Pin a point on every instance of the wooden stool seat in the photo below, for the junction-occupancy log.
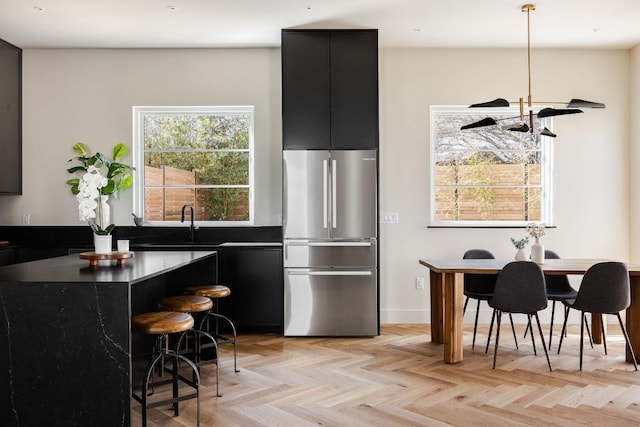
(162, 322)
(211, 291)
(186, 303)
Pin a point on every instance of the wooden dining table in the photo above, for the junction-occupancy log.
(447, 285)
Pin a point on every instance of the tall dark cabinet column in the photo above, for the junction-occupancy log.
(10, 118)
(330, 89)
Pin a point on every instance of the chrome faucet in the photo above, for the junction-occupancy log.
(192, 234)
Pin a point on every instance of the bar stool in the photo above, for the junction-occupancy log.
(161, 324)
(193, 305)
(215, 292)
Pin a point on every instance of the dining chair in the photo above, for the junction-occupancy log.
(520, 288)
(480, 287)
(605, 289)
(559, 289)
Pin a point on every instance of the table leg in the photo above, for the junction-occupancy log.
(437, 308)
(633, 317)
(453, 319)
(596, 328)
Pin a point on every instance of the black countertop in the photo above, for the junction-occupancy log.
(70, 268)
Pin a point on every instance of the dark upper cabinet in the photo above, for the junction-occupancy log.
(330, 89)
(10, 118)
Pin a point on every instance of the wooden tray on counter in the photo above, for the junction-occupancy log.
(94, 257)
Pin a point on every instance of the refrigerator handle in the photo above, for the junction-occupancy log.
(329, 272)
(325, 177)
(334, 185)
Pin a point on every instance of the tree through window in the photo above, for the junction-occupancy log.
(198, 156)
(487, 176)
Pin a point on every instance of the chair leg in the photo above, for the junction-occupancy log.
(533, 338)
(546, 353)
(604, 335)
(513, 329)
(495, 351)
(527, 329)
(464, 308)
(564, 327)
(626, 338)
(581, 337)
(493, 316)
(475, 325)
(586, 324)
(553, 312)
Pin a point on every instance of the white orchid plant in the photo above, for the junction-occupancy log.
(100, 177)
(536, 230)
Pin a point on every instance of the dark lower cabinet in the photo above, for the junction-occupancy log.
(7, 256)
(255, 277)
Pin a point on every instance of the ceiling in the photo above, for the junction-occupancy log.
(257, 23)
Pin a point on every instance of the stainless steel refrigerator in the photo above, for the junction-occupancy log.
(330, 226)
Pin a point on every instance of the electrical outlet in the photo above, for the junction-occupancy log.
(26, 219)
(389, 217)
(419, 282)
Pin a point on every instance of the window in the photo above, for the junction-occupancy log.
(488, 176)
(198, 156)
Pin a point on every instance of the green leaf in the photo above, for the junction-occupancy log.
(80, 148)
(125, 182)
(102, 159)
(109, 188)
(77, 169)
(73, 181)
(115, 169)
(118, 150)
(109, 229)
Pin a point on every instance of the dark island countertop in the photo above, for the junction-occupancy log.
(68, 356)
(70, 268)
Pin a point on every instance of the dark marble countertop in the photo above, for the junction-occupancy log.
(71, 268)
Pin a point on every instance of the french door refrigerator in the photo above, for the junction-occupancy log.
(330, 225)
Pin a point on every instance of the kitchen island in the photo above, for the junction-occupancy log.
(66, 347)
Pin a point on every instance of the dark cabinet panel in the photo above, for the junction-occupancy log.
(10, 118)
(7, 256)
(255, 277)
(306, 95)
(354, 89)
(330, 89)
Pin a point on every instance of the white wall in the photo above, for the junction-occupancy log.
(634, 137)
(87, 95)
(591, 157)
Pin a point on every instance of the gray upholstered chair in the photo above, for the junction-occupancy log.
(559, 289)
(480, 287)
(520, 288)
(605, 289)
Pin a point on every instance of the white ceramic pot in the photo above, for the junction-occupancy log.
(520, 255)
(102, 243)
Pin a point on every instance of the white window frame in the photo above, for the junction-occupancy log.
(139, 112)
(546, 170)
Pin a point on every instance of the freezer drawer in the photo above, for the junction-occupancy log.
(330, 302)
(350, 254)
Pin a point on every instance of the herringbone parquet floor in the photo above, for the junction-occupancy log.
(399, 379)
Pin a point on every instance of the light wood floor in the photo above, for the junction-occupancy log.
(399, 379)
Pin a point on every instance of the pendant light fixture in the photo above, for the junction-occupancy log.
(527, 111)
